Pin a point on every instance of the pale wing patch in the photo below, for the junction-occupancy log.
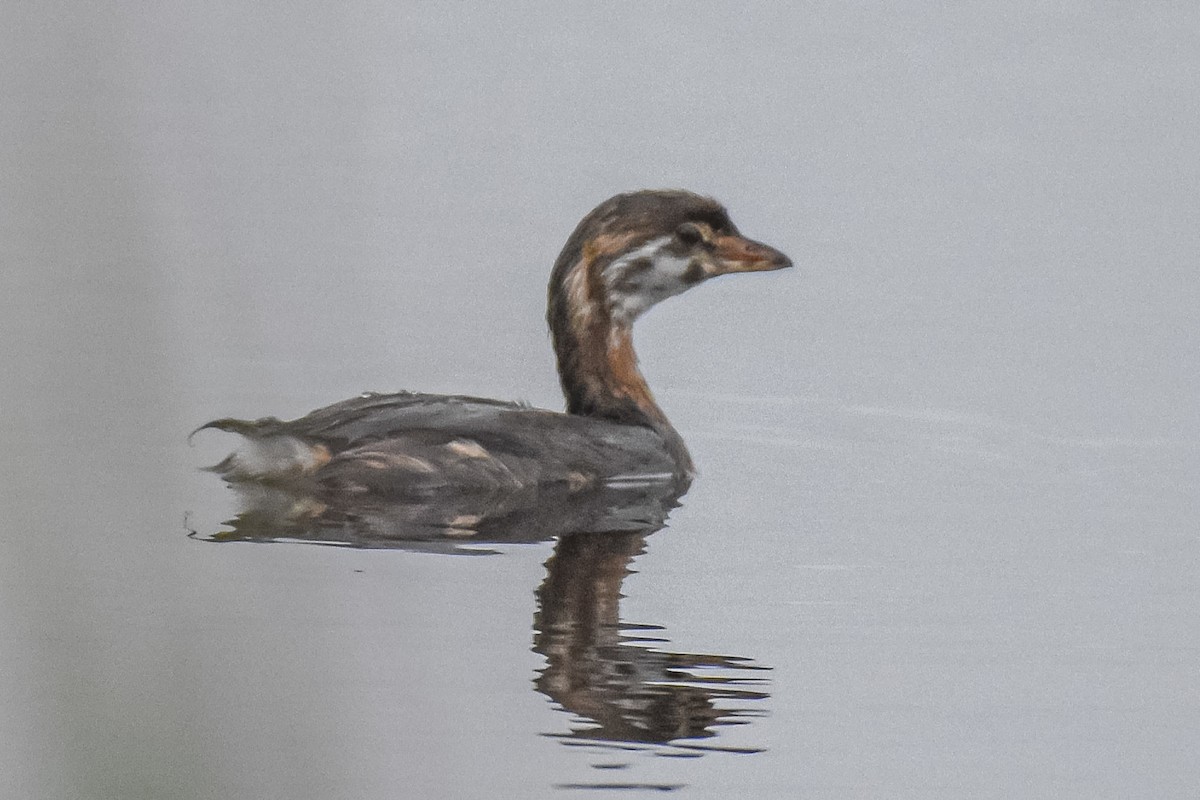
(577, 481)
(320, 457)
(466, 448)
(462, 526)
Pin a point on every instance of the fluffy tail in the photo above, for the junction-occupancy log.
(269, 453)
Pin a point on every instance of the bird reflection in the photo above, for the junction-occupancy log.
(626, 689)
(616, 678)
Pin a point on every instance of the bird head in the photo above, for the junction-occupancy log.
(635, 250)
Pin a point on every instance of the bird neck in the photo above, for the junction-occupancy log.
(598, 369)
(600, 377)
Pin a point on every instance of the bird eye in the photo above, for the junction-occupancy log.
(689, 233)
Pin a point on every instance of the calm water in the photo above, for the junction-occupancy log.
(944, 540)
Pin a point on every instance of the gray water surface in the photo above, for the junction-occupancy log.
(944, 538)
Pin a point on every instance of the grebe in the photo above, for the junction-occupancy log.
(629, 253)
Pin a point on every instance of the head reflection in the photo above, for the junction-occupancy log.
(616, 678)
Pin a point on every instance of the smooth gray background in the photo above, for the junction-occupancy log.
(949, 464)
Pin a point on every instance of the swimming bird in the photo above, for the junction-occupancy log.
(628, 254)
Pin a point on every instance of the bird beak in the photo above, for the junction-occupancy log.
(739, 254)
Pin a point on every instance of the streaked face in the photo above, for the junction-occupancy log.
(673, 262)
